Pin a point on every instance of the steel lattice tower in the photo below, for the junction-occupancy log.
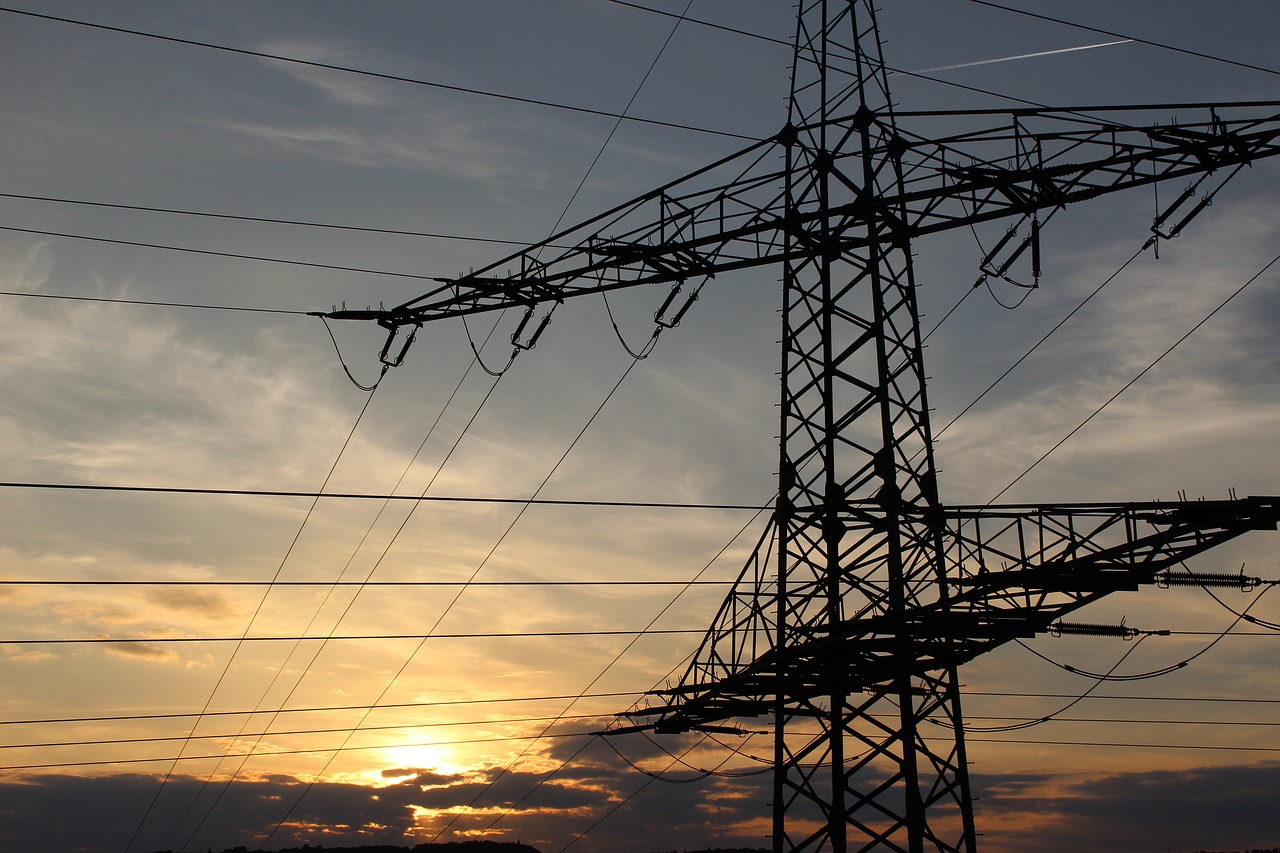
(867, 594)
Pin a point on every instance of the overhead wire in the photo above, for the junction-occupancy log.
(479, 635)
(234, 255)
(1038, 343)
(1026, 724)
(266, 219)
(613, 809)
(153, 302)
(275, 753)
(592, 735)
(417, 499)
(343, 361)
(328, 66)
(261, 603)
(636, 357)
(364, 584)
(368, 531)
(1155, 673)
(1140, 374)
(351, 603)
(1262, 623)
(113, 718)
(449, 606)
(479, 360)
(572, 444)
(110, 718)
(267, 732)
(617, 657)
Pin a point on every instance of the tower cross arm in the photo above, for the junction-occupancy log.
(1010, 573)
(735, 213)
(1043, 160)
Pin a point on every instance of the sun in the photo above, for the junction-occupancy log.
(440, 760)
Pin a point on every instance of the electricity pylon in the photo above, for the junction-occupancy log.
(867, 593)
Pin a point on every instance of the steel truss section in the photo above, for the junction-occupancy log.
(1006, 572)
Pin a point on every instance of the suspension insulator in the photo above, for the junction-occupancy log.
(1086, 629)
(1242, 582)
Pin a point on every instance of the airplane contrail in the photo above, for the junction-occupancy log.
(1022, 56)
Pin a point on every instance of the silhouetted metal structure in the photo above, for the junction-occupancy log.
(867, 593)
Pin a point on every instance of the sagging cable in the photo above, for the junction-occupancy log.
(343, 362)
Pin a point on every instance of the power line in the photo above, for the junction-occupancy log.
(325, 709)
(374, 74)
(288, 732)
(366, 496)
(257, 610)
(1122, 745)
(268, 220)
(684, 18)
(516, 738)
(312, 751)
(1140, 374)
(153, 302)
(236, 255)
(62, 641)
(29, 582)
(1095, 696)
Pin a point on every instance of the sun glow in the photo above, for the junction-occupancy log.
(423, 758)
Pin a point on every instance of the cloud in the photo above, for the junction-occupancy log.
(142, 651)
(209, 604)
(342, 88)
(1197, 808)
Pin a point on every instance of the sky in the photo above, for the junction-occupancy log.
(150, 744)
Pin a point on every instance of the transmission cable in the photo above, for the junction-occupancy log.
(448, 607)
(320, 607)
(343, 361)
(1038, 343)
(374, 74)
(417, 499)
(112, 301)
(566, 762)
(1098, 682)
(508, 530)
(366, 584)
(326, 709)
(921, 74)
(622, 802)
(274, 753)
(211, 252)
(634, 361)
(261, 603)
(268, 220)
(1155, 673)
(238, 736)
(462, 434)
(648, 629)
(1132, 381)
(1262, 623)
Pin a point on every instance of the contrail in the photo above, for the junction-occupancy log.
(1022, 56)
